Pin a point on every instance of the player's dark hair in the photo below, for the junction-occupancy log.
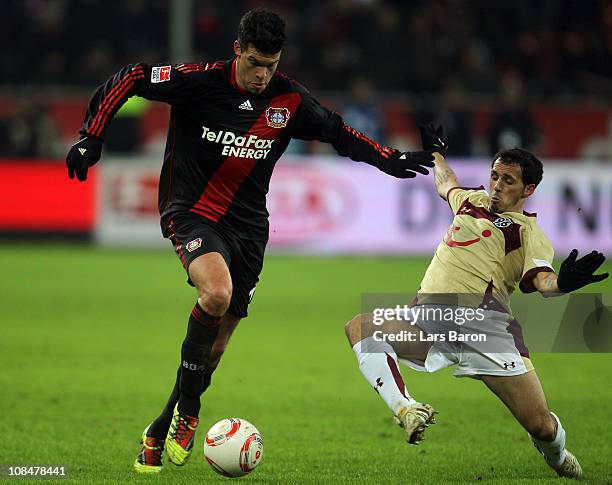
(531, 166)
(262, 28)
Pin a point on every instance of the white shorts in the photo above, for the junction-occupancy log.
(479, 347)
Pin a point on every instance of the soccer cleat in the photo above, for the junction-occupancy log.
(570, 468)
(414, 418)
(181, 434)
(149, 459)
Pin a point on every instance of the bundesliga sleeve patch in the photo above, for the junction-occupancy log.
(160, 74)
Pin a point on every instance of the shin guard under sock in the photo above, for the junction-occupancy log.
(202, 331)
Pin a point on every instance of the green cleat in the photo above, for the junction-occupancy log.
(149, 459)
(180, 439)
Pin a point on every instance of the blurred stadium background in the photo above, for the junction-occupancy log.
(523, 73)
(80, 316)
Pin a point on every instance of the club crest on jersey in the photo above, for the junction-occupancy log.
(502, 222)
(277, 117)
(160, 74)
(193, 245)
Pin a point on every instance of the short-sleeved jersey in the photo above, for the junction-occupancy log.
(484, 254)
(223, 142)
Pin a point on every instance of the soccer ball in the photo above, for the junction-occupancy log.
(233, 447)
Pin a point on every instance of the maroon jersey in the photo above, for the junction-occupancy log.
(223, 142)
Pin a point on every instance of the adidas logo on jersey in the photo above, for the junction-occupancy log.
(246, 105)
(82, 151)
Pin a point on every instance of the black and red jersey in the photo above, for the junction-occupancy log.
(223, 142)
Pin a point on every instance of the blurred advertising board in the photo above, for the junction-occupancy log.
(128, 204)
(322, 205)
(39, 198)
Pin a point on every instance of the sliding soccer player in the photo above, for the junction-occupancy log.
(491, 246)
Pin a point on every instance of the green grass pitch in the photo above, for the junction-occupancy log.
(90, 342)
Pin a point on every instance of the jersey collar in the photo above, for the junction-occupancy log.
(233, 78)
(525, 213)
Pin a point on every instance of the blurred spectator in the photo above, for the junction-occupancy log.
(512, 125)
(453, 109)
(599, 147)
(362, 111)
(457, 117)
(80, 41)
(28, 132)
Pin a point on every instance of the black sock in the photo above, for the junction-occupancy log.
(159, 428)
(202, 331)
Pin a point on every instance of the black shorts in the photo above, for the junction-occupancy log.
(193, 235)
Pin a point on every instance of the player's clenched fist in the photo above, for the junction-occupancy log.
(82, 155)
(433, 139)
(403, 165)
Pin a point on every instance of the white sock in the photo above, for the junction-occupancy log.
(379, 365)
(553, 451)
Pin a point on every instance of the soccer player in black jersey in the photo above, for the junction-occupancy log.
(230, 122)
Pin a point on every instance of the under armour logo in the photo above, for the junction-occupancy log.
(509, 365)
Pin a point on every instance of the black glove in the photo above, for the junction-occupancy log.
(433, 139)
(403, 165)
(82, 155)
(575, 274)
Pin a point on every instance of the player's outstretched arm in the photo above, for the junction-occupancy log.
(573, 274)
(357, 146)
(169, 84)
(433, 139)
(105, 102)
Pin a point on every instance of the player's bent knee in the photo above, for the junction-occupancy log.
(348, 327)
(357, 328)
(215, 300)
